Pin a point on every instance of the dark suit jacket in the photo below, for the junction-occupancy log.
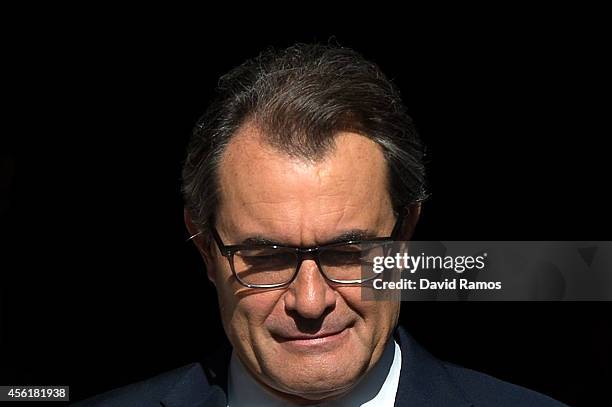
(424, 381)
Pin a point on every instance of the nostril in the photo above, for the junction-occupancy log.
(310, 308)
(308, 325)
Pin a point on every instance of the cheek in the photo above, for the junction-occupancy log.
(377, 317)
(244, 313)
(256, 307)
(392, 310)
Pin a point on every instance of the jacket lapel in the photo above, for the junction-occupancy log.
(203, 386)
(194, 389)
(424, 380)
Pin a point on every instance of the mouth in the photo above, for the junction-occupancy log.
(320, 340)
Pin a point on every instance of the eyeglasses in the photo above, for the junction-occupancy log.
(274, 266)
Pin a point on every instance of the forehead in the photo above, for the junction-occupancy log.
(259, 182)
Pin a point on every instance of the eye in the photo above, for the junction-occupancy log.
(266, 258)
(359, 254)
(343, 256)
(261, 258)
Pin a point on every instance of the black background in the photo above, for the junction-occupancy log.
(99, 287)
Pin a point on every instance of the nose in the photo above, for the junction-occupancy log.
(310, 295)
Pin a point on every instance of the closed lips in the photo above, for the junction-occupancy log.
(301, 336)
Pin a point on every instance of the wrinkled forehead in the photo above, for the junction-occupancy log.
(249, 148)
(261, 184)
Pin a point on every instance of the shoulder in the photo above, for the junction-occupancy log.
(485, 390)
(427, 381)
(148, 392)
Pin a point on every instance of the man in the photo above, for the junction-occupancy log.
(305, 157)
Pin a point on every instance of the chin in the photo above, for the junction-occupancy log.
(317, 377)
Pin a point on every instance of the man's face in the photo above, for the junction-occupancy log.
(283, 335)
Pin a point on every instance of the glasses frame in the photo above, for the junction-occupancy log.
(302, 253)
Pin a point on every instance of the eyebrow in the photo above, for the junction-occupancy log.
(354, 234)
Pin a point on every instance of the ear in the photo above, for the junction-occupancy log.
(199, 241)
(413, 213)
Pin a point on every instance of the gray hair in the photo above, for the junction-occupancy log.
(300, 98)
